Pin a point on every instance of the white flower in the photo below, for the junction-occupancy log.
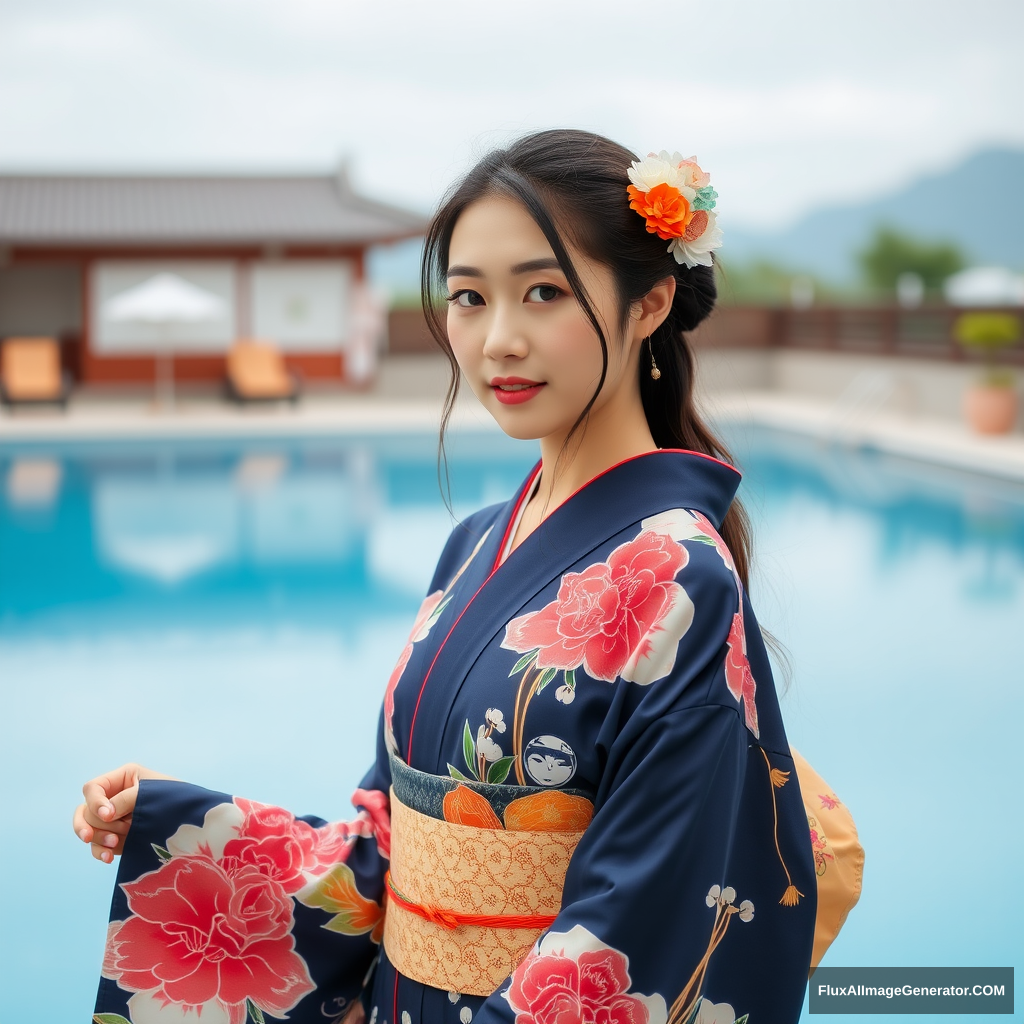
(148, 1008)
(566, 694)
(677, 523)
(746, 911)
(373, 1016)
(496, 718)
(713, 893)
(220, 825)
(465, 1015)
(728, 894)
(454, 997)
(697, 252)
(655, 655)
(485, 746)
(406, 1017)
(661, 169)
(715, 1013)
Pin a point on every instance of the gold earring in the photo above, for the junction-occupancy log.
(655, 372)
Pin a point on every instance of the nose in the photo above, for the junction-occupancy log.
(505, 337)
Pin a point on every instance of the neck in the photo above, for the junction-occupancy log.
(611, 435)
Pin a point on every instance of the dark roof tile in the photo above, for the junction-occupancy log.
(194, 210)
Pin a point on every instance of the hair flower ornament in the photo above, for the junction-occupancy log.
(676, 199)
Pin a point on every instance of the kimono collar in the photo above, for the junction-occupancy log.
(655, 481)
(693, 480)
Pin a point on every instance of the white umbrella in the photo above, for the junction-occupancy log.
(161, 301)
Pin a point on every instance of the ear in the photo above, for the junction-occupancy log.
(650, 312)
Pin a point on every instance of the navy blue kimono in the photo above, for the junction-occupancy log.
(613, 656)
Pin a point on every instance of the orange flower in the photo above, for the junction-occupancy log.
(464, 806)
(664, 208)
(336, 892)
(549, 811)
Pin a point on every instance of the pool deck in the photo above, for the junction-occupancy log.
(93, 417)
(931, 439)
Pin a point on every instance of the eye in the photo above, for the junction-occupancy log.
(543, 293)
(466, 298)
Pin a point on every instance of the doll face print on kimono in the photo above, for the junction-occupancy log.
(583, 806)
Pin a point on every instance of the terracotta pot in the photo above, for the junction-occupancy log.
(991, 410)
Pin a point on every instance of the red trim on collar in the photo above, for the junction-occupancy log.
(527, 489)
(644, 455)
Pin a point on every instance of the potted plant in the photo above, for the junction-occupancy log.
(990, 406)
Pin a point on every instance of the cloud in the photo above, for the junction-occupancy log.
(789, 103)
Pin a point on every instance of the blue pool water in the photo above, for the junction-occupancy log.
(229, 614)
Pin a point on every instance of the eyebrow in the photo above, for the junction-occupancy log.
(545, 263)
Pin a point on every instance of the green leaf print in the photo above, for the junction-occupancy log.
(255, 1012)
(524, 662)
(456, 774)
(498, 772)
(469, 750)
(161, 852)
(109, 1018)
(545, 677)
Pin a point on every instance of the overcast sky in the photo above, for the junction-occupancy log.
(789, 104)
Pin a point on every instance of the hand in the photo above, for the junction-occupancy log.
(105, 817)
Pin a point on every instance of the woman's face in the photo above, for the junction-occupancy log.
(524, 344)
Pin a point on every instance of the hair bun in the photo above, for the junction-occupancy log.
(696, 292)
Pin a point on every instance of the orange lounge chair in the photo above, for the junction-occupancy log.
(257, 373)
(30, 372)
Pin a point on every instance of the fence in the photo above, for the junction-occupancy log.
(926, 332)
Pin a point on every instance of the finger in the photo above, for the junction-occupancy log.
(96, 793)
(81, 827)
(100, 837)
(103, 854)
(124, 802)
(119, 825)
(99, 792)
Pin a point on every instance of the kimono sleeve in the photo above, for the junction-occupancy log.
(227, 910)
(690, 898)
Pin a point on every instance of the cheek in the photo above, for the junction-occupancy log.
(466, 346)
(575, 348)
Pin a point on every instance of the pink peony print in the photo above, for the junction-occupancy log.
(378, 806)
(200, 936)
(682, 524)
(290, 851)
(623, 617)
(574, 978)
(425, 618)
(738, 676)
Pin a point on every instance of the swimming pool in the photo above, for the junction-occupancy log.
(157, 600)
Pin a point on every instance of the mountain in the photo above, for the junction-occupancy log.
(978, 204)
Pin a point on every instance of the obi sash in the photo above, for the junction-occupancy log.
(476, 875)
(477, 872)
(838, 856)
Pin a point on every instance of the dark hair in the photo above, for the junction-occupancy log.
(574, 182)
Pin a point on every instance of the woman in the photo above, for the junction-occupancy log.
(583, 789)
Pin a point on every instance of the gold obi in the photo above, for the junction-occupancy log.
(451, 871)
(469, 892)
(838, 856)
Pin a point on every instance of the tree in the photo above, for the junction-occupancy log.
(892, 253)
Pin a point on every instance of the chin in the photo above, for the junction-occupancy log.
(523, 427)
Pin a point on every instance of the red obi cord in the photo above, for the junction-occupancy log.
(451, 919)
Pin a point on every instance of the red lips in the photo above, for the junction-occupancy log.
(515, 390)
